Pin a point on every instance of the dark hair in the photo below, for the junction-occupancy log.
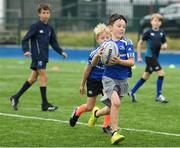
(44, 7)
(115, 17)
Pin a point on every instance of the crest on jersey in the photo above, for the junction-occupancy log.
(152, 34)
(121, 47)
(90, 92)
(40, 63)
(41, 31)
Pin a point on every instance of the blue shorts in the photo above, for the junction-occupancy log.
(36, 65)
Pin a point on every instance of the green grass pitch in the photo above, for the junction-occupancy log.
(151, 124)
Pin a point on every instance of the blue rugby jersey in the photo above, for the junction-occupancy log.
(97, 71)
(41, 36)
(118, 71)
(153, 39)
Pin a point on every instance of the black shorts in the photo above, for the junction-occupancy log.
(35, 65)
(94, 87)
(152, 64)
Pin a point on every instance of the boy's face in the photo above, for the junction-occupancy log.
(156, 23)
(118, 29)
(102, 37)
(44, 15)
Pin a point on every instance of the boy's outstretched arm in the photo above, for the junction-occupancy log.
(139, 46)
(85, 75)
(54, 44)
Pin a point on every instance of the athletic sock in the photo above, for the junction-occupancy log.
(81, 109)
(25, 86)
(138, 84)
(106, 121)
(159, 85)
(43, 94)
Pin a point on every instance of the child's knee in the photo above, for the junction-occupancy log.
(146, 76)
(44, 78)
(115, 102)
(32, 80)
(161, 74)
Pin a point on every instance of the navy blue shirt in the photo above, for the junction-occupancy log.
(118, 71)
(153, 39)
(41, 36)
(97, 71)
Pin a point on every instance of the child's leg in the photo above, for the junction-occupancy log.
(106, 121)
(140, 82)
(46, 106)
(159, 82)
(86, 107)
(103, 111)
(81, 109)
(115, 105)
(43, 81)
(97, 113)
(32, 78)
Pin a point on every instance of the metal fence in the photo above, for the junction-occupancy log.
(75, 15)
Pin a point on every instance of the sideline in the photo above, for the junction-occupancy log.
(67, 122)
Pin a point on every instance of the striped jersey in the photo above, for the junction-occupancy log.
(118, 71)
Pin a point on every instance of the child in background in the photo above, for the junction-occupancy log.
(41, 34)
(155, 41)
(92, 77)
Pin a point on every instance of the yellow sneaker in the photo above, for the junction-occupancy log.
(116, 138)
(93, 119)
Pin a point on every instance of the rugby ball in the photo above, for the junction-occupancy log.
(110, 49)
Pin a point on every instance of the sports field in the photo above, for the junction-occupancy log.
(144, 124)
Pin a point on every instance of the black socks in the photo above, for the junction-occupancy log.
(43, 94)
(25, 86)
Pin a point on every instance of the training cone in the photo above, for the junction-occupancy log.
(172, 66)
(55, 68)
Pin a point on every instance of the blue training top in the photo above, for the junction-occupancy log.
(118, 71)
(97, 71)
(41, 36)
(153, 39)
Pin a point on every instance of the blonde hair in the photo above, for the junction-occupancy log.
(101, 28)
(158, 16)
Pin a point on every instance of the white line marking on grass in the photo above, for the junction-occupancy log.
(67, 122)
